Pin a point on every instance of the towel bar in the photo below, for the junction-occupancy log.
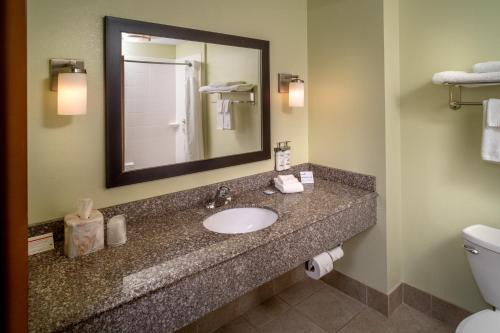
(455, 100)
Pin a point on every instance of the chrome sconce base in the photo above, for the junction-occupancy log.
(284, 81)
(57, 66)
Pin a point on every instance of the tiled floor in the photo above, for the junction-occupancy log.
(313, 306)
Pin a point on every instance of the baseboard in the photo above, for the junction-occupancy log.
(385, 304)
(404, 293)
(433, 306)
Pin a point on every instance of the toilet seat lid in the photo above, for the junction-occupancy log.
(485, 321)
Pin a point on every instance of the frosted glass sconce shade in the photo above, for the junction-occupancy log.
(296, 93)
(69, 78)
(291, 84)
(72, 93)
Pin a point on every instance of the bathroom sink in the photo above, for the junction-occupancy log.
(240, 220)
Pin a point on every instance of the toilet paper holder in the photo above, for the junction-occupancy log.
(309, 267)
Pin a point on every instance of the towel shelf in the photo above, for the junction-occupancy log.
(455, 93)
(250, 100)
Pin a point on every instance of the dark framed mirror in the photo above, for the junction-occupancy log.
(181, 100)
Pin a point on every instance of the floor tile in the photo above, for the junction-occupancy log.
(266, 312)
(330, 309)
(368, 321)
(239, 325)
(291, 322)
(301, 291)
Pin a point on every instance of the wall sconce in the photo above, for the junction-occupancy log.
(69, 78)
(294, 86)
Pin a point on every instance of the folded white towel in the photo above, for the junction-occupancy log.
(485, 67)
(228, 115)
(492, 112)
(225, 84)
(288, 188)
(287, 179)
(233, 88)
(464, 77)
(490, 150)
(219, 106)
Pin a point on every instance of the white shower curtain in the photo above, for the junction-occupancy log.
(194, 130)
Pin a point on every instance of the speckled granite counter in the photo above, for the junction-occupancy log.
(173, 271)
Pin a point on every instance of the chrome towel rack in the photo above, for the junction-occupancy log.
(455, 93)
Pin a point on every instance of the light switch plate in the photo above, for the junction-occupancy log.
(41, 243)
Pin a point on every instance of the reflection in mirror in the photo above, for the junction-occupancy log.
(185, 101)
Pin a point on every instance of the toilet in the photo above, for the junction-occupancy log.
(482, 245)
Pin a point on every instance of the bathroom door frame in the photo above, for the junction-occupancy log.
(13, 148)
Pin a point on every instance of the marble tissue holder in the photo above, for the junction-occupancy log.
(83, 230)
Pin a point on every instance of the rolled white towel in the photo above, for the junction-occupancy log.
(486, 67)
(456, 77)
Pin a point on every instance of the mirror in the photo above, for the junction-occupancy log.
(180, 100)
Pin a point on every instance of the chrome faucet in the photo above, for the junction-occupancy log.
(222, 197)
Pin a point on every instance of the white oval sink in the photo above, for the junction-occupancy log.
(240, 220)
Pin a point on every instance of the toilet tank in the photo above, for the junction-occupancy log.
(482, 245)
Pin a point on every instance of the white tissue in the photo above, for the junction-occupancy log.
(319, 266)
(84, 208)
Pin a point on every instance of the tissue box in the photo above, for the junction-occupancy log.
(83, 236)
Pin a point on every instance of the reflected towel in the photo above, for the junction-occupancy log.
(486, 67)
(219, 106)
(233, 88)
(228, 115)
(225, 84)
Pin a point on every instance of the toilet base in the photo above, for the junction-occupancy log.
(486, 321)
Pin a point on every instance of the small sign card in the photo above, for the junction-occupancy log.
(306, 177)
(40, 243)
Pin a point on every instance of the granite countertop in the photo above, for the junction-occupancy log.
(163, 250)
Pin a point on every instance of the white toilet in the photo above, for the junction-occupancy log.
(482, 244)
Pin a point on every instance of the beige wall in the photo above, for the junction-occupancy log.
(446, 185)
(148, 50)
(66, 154)
(346, 112)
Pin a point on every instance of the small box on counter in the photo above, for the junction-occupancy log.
(83, 236)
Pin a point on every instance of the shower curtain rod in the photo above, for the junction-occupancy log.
(160, 63)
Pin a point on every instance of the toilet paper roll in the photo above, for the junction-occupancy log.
(84, 208)
(319, 266)
(336, 253)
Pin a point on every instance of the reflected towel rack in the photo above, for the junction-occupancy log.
(455, 93)
(250, 100)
